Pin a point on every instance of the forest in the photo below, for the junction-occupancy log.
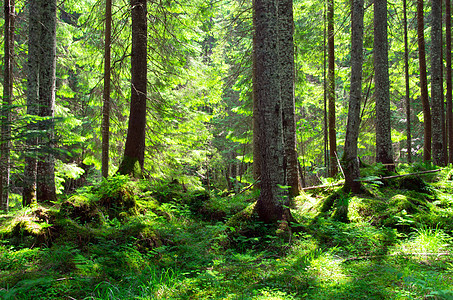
(226, 149)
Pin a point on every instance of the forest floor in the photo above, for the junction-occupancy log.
(125, 239)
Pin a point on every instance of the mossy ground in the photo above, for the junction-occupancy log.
(125, 239)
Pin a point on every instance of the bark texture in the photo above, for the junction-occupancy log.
(449, 80)
(423, 82)
(273, 199)
(6, 104)
(331, 87)
(436, 83)
(287, 79)
(134, 152)
(350, 159)
(106, 94)
(47, 70)
(406, 81)
(384, 151)
(31, 161)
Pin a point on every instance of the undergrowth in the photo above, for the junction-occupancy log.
(126, 239)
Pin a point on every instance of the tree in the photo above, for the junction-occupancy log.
(39, 175)
(273, 197)
(350, 159)
(134, 151)
(286, 56)
(6, 105)
(423, 82)
(436, 83)
(47, 76)
(406, 84)
(384, 151)
(106, 94)
(331, 87)
(449, 80)
(31, 162)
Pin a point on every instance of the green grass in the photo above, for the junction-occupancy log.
(165, 247)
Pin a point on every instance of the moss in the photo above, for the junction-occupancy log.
(414, 183)
(130, 166)
(81, 209)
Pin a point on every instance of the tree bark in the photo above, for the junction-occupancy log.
(423, 82)
(106, 94)
(350, 159)
(436, 83)
(47, 75)
(331, 87)
(31, 162)
(6, 105)
(384, 151)
(449, 80)
(287, 79)
(406, 80)
(273, 197)
(134, 152)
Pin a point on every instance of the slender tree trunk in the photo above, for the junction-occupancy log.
(273, 199)
(134, 152)
(449, 80)
(384, 151)
(31, 162)
(436, 83)
(324, 83)
(256, 124)
(48, 60)
(6, 105)
(106, 95)
(287, 79)
(351, 161)
(331, 87)
(423, 82)
(406, 79)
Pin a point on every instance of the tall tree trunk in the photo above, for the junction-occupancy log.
(256, 124)
(406, 79)
(331, 87)
(31, 162)
(287, 79)
(324, 80)
(351, 161)
(449, 80)
(48, 60)
(273, 199)
(106, 94)
(134, 152)
(436, 82)
(423, 82)
(384, 151)
(6, 105)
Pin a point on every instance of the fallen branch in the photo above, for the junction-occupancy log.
(398, 176)
(369, 180)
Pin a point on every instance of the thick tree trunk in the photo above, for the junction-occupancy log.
(406, 80)
(134, 152)
(48, 60)
(31, 162)
(436, 83)
(106, 94)
(273, 198)
(423, 82)
(331, 88)
(287, 79)
(6, 105)
(384, 151)
(350, 159)
(449, 80)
